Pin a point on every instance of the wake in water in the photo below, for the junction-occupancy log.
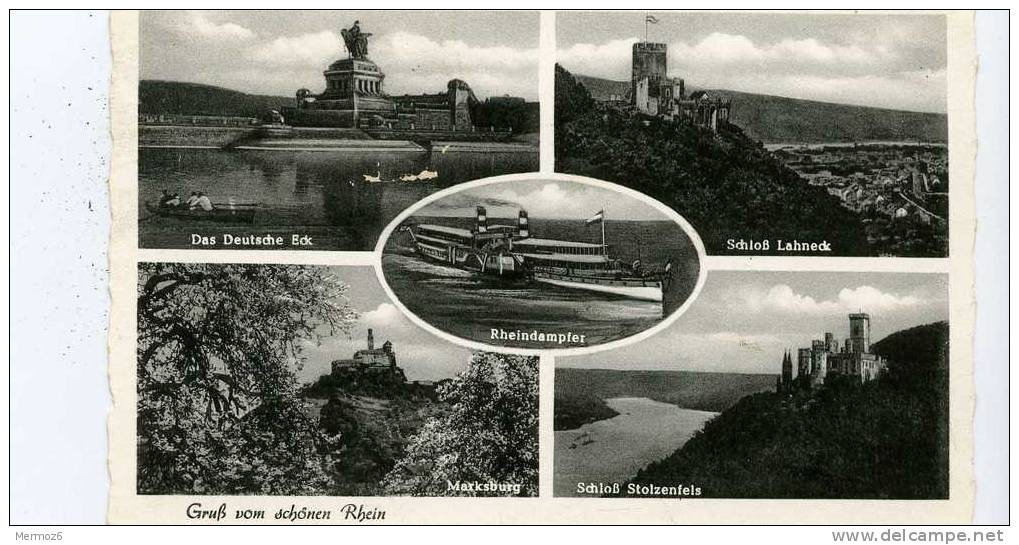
(414, 265)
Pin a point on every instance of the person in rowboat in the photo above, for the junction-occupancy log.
(193, 201)
(204, 203)
(167, 199)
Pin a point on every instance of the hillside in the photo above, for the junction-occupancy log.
(580, 393)
(371, 424)
(726, 184)
(775, 119)
(181, 98)
(885, 439)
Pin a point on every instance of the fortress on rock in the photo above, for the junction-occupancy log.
(825, 358)
(370, 361)
(653, 93)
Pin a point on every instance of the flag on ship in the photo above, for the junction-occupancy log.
(596, 218)
(651, 19)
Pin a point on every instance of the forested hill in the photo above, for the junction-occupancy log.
(884, 439)
(727, 185)
(177, 97)
(775, 119)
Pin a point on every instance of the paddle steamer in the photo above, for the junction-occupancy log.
(511, 251)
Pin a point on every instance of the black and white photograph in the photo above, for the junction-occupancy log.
(741, 273)
(311, 130)
(263, 380)
(542, 263)
(820, 134)
(774, 385)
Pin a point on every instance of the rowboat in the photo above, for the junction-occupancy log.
(224, 212)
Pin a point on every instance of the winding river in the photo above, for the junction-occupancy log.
(615, 449)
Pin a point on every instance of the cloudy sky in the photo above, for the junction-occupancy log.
(889, 61)
(422, 356)
(743, 321)
(272, 52)
(543, 199)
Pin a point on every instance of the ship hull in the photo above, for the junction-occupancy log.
(640, 289)
(491, 264)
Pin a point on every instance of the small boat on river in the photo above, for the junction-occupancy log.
(222, 212)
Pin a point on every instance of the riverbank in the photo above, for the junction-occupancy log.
(613, 450)
(444, 146)
(311, 139)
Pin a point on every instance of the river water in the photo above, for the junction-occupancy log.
(615, 449)
(321, 194)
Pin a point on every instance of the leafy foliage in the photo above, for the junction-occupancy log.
(490, 433)
(218, 404)
(887, 438)
(775, 119)
(572, 412)
(522, 117)
(727, 185)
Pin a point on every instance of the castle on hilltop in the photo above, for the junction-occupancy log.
(371, 361)
(653, 93)
(825, 358)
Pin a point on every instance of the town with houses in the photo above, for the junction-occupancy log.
(894, 180)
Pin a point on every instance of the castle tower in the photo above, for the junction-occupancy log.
(371, 340)
(859, 333)
(803, 362)
(481, 223)
(387, 348)
(523, 228)
(648, 71)
(830, 344)
(787, 369)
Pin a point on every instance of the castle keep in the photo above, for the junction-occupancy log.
(825, 358)
(653, 93)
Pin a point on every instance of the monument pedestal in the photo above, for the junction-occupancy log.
(354, 87)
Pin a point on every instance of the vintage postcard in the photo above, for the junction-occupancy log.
(537, 267)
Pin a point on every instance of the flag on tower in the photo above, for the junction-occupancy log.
(651, 19)
(596, 218)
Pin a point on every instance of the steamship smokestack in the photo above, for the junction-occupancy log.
(371, 340)
(522, 227)
(482, 222)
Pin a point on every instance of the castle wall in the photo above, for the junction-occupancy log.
(819, 363)
(824, 358)
(308, 117)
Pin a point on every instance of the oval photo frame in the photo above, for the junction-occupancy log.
(519, 264)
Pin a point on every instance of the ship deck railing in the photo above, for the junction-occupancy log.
(599, 279)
